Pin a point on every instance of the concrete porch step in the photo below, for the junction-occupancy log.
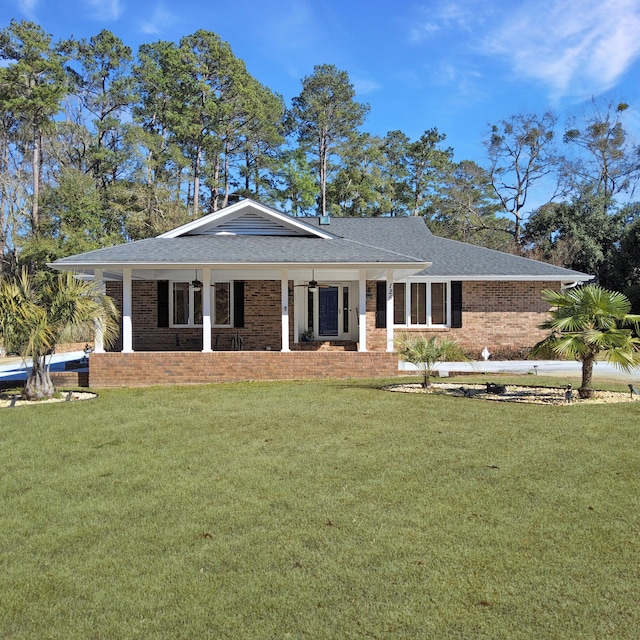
(325, 345)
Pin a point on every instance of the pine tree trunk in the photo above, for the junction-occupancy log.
(4, 163)
(196, 183)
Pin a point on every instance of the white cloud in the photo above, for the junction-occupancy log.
(363, 87)
(160, 20)
(577, 47)
(105, 9)
(445, 17)
(28, 8)
(290, 32)
(422, 31)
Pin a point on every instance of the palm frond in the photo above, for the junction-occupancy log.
(589, 321)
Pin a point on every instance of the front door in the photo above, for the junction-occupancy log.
(328, 312)
(333, 309)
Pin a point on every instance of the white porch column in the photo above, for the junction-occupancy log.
(284, 288)
(98, 337)
(127, 332)
(390, 335)
(206, 310)
(362, 311)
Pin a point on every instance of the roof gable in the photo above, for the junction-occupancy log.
(248, 218)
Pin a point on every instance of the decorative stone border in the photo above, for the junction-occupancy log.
(529, 395)
(7, 400)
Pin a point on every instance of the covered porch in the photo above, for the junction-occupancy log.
(207, 309)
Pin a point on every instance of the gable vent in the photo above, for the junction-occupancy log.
(251, 224)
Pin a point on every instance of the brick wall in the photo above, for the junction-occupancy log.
(262, 328)
(154, 368)
(502, 316)
(70, 379)
(67, 347)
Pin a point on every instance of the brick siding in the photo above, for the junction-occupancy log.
(262, 328)
(70, 378)
(502, 316)
(154, 368)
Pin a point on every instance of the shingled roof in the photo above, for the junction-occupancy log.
(249, 233)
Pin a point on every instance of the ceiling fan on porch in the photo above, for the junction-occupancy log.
(196, 284)
(313, 284)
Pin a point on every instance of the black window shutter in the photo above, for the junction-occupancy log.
(238, 304)
(456, 304)
(163, 303)
(381, 304)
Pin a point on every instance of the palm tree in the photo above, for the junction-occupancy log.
(589, 322)
(39, 312)
(425, 352)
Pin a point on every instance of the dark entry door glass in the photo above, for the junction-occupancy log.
(328, 311)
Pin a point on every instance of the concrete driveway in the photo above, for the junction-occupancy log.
(13, 368)
(539, 367)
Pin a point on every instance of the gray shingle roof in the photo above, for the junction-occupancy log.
(389, 245)
(452, 258)
(404, 240)
(449, 258)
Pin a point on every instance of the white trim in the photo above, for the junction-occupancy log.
(541, 278)
(389, 310)
(340, 286)
(407, 324)
(206, 310)
(212, 301)
(261, 266)
(362, 311)
(127, 331)
(284, 303)
(211, 220)
(98, 338)
(416, 267)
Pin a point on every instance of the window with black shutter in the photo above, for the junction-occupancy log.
(238, 304)
(163, 303)
(456, 304)
(381, 304)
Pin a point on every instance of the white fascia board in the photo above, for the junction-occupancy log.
(234, 210)
(416, 267)
(503, 278)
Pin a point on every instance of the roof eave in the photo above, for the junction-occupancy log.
(568, 277)
(70, 266)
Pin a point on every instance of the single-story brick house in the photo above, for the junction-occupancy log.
(249, 292)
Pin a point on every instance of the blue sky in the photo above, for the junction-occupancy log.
(456, 65)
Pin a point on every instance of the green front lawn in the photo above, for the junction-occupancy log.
(318, 510)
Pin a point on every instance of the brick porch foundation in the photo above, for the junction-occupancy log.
(142, 369)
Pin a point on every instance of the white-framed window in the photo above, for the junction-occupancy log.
(422, 304)
(185, 304)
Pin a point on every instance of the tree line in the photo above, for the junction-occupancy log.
(100, 146)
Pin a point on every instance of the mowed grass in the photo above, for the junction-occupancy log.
(318, 510)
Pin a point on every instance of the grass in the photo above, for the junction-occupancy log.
(318, 510)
